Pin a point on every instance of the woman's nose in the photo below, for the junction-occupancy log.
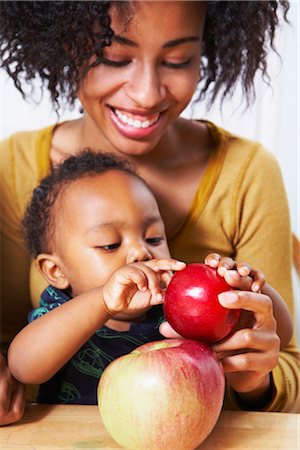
(146, 88)
(137, 253)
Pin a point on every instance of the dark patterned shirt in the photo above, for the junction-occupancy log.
(77, 381)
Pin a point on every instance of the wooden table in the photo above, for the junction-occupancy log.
(59, 427)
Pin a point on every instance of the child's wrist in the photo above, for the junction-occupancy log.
(108, 311)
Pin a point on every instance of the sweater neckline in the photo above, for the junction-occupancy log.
(208, 180)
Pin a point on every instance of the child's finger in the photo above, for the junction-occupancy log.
(133, 274)
(165, 264)
(153, 280)
(166, 277)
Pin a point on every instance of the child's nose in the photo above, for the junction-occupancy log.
(138, 253)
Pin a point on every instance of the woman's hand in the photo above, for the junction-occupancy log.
(138, 286)
(12, 396)
(239, 275)
(242, 276)
(250, 353)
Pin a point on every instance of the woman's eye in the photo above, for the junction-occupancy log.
(109, 246)
(178, 65)
(113, 63)
(155, 240)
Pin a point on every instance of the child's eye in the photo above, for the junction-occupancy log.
(113, 246)
(155, 240)
(113, 63)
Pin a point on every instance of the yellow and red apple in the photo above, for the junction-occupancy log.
(165, 395)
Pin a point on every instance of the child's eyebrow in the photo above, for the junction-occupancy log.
(121, 224)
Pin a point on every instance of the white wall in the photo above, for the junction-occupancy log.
(273, 119)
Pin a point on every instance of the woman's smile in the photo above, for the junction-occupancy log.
(135, 125)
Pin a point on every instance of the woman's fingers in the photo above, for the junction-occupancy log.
(167, 331)
(227, 267)
(259, 304)
(248, 339)
(221, 263)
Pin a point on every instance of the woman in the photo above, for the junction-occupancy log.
(212, 187)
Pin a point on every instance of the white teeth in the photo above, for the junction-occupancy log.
(135, 123)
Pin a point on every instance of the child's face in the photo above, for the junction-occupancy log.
(103, 222)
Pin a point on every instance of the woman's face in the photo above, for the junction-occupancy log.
(148, 77)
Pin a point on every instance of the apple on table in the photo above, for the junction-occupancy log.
(165, 395)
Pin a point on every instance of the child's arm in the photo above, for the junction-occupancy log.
(243, 277)
(47, 343)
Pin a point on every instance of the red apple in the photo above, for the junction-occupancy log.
(165, 395)
(191, 304)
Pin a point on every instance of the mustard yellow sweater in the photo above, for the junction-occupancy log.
(240, 210)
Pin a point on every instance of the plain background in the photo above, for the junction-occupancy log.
(273, 119)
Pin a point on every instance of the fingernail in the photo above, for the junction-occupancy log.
(255, 287)
(222, 270)
(214, 261)
(180, 263)
(159, 297)
(227, 297)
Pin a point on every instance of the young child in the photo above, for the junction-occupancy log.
(96, 232)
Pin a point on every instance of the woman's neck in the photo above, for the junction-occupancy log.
(73, 136)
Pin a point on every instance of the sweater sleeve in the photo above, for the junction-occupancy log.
(241, 211)
(15, 260)
(24, 160)
(263, 238)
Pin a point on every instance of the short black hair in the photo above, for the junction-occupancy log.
(55, 39)
(38, 221)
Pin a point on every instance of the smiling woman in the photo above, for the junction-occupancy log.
(134, 67)
(149, 81)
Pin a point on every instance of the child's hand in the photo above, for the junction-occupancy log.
(138, 286)
(237, 275)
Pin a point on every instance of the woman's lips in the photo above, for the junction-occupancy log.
(135, 126)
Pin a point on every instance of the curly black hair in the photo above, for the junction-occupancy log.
(38, 222)
(55, 39)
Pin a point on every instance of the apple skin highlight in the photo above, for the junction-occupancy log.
(191, 304)
(165, 395)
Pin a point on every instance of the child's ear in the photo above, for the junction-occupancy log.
(50, 267)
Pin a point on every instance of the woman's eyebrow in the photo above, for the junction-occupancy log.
(173, 43)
